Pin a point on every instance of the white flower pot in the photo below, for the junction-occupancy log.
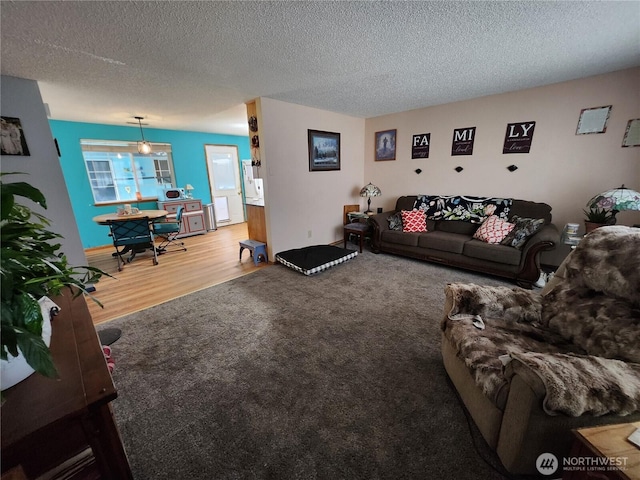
(16, 369)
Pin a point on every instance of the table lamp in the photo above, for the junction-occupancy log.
(189, 188)
(369, 191)
(613, 201)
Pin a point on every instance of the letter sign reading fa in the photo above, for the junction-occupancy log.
(518, 137)
(420, 145)
(463, 139)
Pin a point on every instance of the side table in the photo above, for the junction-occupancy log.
(359, 229)
(605, 453)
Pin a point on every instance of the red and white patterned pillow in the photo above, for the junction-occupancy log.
(493, 230)
(413, 221)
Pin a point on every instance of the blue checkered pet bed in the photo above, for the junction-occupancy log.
(310, 260)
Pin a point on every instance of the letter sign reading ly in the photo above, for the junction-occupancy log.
(518, 137)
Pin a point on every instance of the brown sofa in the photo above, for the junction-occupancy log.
(451, 242)
(547, 363)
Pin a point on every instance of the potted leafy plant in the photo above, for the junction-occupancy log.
(31, 267)
(597, 217)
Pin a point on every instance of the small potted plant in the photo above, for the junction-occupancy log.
(597, 217)
(31, 267)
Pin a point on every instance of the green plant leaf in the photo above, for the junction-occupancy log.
(37, 354)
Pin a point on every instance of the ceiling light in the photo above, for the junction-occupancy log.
(144, 147)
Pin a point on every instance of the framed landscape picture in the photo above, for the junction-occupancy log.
(386, 145)
(324, 150)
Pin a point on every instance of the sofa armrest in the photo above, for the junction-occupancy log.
(547, 235)
(380, 223)
(576, 385)
(508, 303)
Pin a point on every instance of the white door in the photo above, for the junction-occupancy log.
(224, 181)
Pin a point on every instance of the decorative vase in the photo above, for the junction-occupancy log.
(16, 369)
(591, 226)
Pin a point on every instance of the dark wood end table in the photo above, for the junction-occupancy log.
(359, 229)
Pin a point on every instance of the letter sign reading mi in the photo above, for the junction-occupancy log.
(463, 139)
(518, 137)
(420, 145)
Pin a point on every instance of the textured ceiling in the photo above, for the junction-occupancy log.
(192, 65)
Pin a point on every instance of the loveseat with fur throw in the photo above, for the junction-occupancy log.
(530, 366)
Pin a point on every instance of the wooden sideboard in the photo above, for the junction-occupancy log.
(192, 215)
(47, 421)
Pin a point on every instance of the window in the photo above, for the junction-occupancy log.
(118, 173)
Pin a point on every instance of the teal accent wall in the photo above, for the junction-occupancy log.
(189, 163)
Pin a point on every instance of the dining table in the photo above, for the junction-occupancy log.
(152, 215)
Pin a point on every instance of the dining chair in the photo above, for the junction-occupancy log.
(168, 232)
(134, 235)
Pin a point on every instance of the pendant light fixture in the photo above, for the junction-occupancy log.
(144, 147)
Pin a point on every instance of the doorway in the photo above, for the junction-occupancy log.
(224, 181)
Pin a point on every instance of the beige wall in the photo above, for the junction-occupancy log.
(563, 169)
(302, 207)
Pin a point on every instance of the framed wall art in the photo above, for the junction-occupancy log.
(420, 145)
(462, 143)
(324, 150)
(593, 120)
(518, 137)
(12, 141)
(632, 133)
(385, 147)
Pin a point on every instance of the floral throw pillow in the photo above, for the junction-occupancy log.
(414, 221)
(493, 230)
(524, 228)
(395, 222)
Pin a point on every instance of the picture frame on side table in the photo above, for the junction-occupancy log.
(324, 150)
(385, 147)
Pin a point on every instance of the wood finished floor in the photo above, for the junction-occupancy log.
(209, 260)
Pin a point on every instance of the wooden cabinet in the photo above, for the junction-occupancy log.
(46, 422)
(192, 215)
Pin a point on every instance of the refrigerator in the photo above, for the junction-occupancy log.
(253, 187)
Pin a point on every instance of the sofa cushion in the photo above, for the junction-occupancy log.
(493, 230)
(444, 241)
(395, 221)
(405, 203)
(413, 221)
(400, 238)
(494, 253)
(523, 230)
(456, 226)
(527, 209)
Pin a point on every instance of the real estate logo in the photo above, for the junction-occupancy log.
(547, 463)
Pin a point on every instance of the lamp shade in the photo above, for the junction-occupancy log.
(617, 200)
(144, 148)
(370, 190)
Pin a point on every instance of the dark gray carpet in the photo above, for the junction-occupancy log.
(280, 376)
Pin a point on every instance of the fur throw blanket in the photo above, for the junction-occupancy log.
(551, 338)
(597, 306)
(577, 385)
